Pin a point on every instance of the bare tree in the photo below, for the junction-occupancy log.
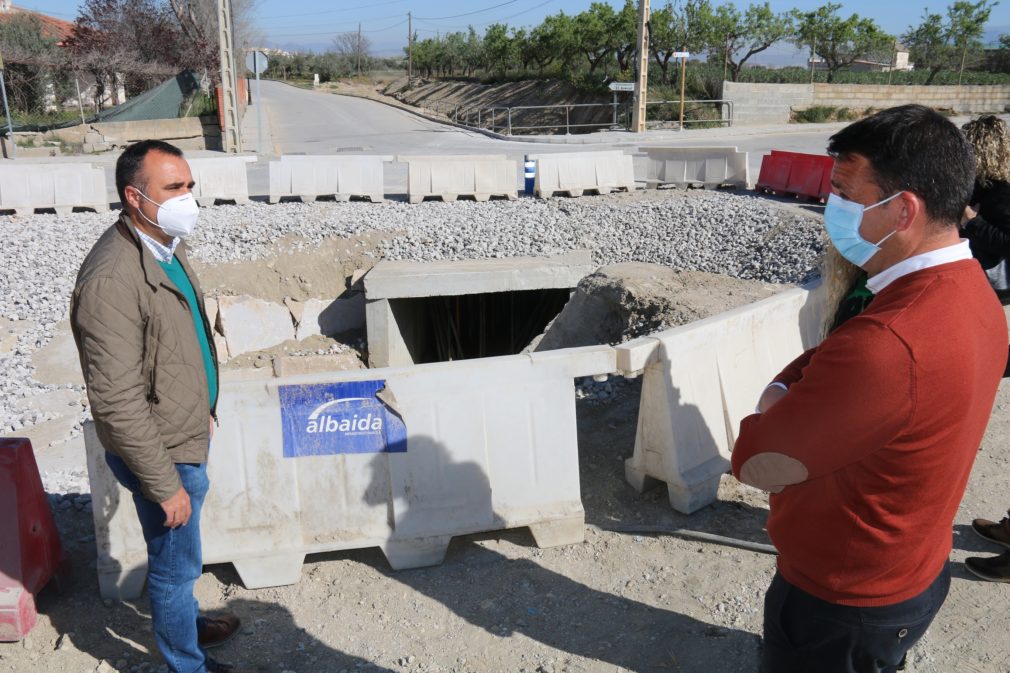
(355, 49)
(198, 21)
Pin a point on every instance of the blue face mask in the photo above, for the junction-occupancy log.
(842, 219)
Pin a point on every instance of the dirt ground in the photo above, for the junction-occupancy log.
(617, 602)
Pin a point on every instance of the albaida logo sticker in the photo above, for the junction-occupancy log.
(333, 418)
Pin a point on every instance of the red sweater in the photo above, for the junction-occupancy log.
(886, 414)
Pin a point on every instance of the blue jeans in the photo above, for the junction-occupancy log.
(803, 634)
(174, 562)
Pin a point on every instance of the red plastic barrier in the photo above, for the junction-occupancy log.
(774, 173)
(794, 173)
(30, 551)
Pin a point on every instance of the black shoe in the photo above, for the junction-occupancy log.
(990, 568)
(994, 531)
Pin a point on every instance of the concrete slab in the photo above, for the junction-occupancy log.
(252, 324)
(395, 280)
(329, 318)
(57, 362)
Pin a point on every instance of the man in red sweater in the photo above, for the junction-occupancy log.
(866, 441)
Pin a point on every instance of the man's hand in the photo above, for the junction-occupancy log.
(177, 509)
(769, 397)
(211, 435)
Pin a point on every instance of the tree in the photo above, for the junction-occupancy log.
(554, 40)
(625, 35)
(929, 45)
(499, 49)
(686, 26)
(29, 54)
(840, 42)
(593, 33)
(940, 43)
(198, 22)
(966, 23)
(738, 37)
(138, 40)
(354, 49)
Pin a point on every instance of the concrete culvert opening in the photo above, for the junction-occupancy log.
(462, 327)
(438, 311)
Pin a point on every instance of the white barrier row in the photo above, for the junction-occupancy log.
(61, 187)
(469, 446)
(220, 179)
(702, 379)
(696, 167)
(575, 173)
(449, 177)
(341, 177)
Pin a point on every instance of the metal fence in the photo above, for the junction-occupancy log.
(563, 118)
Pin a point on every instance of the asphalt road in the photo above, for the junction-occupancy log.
(299, 121)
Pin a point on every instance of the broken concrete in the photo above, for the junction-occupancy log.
(251, 324)
(624, 301)
(329, 318)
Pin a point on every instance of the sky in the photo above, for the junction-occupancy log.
(310, 25)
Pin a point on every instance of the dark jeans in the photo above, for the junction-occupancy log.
(174, 563)
(803, 634)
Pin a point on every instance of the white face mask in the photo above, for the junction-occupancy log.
(176, 216)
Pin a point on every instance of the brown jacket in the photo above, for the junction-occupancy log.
(141, 359)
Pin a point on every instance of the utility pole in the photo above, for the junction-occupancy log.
(231, 139)
(410, 49)
(357, 50)
(7, 111)
(642, 82)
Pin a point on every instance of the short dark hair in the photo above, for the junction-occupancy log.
(129, 163)
(913, 148)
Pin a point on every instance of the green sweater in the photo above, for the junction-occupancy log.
(178, 276)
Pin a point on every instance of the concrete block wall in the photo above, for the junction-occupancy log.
(223, 179)
(574, 173)
(757, 104)
(708, 166)
(490, 444)
(702, 379)
(963, 99)
(61, 187)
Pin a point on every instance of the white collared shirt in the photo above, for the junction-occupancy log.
(162, 253)
(946, 255)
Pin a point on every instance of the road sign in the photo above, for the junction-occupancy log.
(621, 86)
(681, 54)
(256, 61)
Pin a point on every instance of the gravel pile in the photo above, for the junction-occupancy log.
(743, 236)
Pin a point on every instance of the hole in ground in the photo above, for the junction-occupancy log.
(439, 329)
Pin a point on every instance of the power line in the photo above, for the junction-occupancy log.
(333, 11)
(300, 24)
(456, 16)
(335, 32)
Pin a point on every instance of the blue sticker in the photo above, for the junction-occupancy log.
(333, 418)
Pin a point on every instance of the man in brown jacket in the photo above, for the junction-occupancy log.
(148, 358)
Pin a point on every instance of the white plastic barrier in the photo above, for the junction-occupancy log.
(574, 173)
(62, 187)
(701, 380)
(341, 177)
(449, 177)
(489, 444)
(222, 179)
(696, 166)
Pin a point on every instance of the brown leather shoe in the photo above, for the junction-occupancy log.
(994, 531)
(215, 631)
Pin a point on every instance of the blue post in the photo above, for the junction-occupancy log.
(530, 173)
